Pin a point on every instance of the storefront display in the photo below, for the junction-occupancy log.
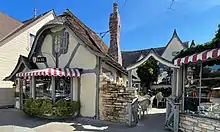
(202, 84)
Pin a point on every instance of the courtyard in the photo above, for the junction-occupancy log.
(12, 120)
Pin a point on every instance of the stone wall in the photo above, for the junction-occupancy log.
(113, 100)
(198, 124)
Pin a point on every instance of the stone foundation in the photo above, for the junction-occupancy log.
(113, 100)
(190, 123)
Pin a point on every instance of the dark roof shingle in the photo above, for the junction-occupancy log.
(131, 57)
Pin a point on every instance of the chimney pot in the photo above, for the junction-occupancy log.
(115, 7)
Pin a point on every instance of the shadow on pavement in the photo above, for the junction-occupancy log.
(150, 123)
(18, 118)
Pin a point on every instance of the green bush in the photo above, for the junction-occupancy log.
(61, 103)
(65, 108)
(45, 107)
(74, 106)
(61, 108)
(27, 106)
(36, 106)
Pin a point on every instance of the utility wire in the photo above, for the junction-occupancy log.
(102, 34)
(171, 5)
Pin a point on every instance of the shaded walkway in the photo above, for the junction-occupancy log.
(154, 121)
(13, 120)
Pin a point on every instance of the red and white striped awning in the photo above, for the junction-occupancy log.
(67, 72)
(203, 56)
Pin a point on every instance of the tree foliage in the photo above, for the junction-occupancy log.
(148, 73)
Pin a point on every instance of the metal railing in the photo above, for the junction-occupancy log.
(172, 115)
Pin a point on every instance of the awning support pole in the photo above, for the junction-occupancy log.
(177, 81)
(130, 78)
(200, 83)
(33, 87)
(74, 89)
(53, 89)
(173, 83)
(18, 98)
(183, 87)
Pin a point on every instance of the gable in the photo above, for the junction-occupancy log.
(31, 26)
(132, 57)
(152, 53)
(18, 43)
(76, 54)
(175, 45)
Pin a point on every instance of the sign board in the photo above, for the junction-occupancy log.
(39, 59)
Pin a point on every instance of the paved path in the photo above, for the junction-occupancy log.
(12, 120)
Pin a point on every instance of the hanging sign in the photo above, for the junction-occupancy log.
(39, 59)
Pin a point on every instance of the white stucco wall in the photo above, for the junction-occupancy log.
(15, 46)
(88, 94)
(46, 50)
(84, 59)
(174, 45)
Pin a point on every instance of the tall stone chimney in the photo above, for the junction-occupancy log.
(114, 27)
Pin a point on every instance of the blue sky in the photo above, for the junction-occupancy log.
(145, 23)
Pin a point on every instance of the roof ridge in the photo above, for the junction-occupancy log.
(74, 16)
(139, 50)
(11, 17)
(24, 25)
(174, 35)
(87, 30)
(42, 14)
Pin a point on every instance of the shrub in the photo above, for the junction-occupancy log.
(45, 107)
(61, 103)
(61, 108)
(36, 106)
(74, 107)
(27, 106)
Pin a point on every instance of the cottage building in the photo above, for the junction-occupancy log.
(66, 60)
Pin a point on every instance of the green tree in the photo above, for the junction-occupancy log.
(148, 73)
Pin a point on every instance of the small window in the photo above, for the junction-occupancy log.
(65, 42)
(60, 43)
(57, 43)
(31, 38)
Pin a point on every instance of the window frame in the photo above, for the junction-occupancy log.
(30, 41)
(199, 87)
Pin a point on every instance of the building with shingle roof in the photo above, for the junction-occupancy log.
(166, 53)
(16, 38)
(74, 54)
